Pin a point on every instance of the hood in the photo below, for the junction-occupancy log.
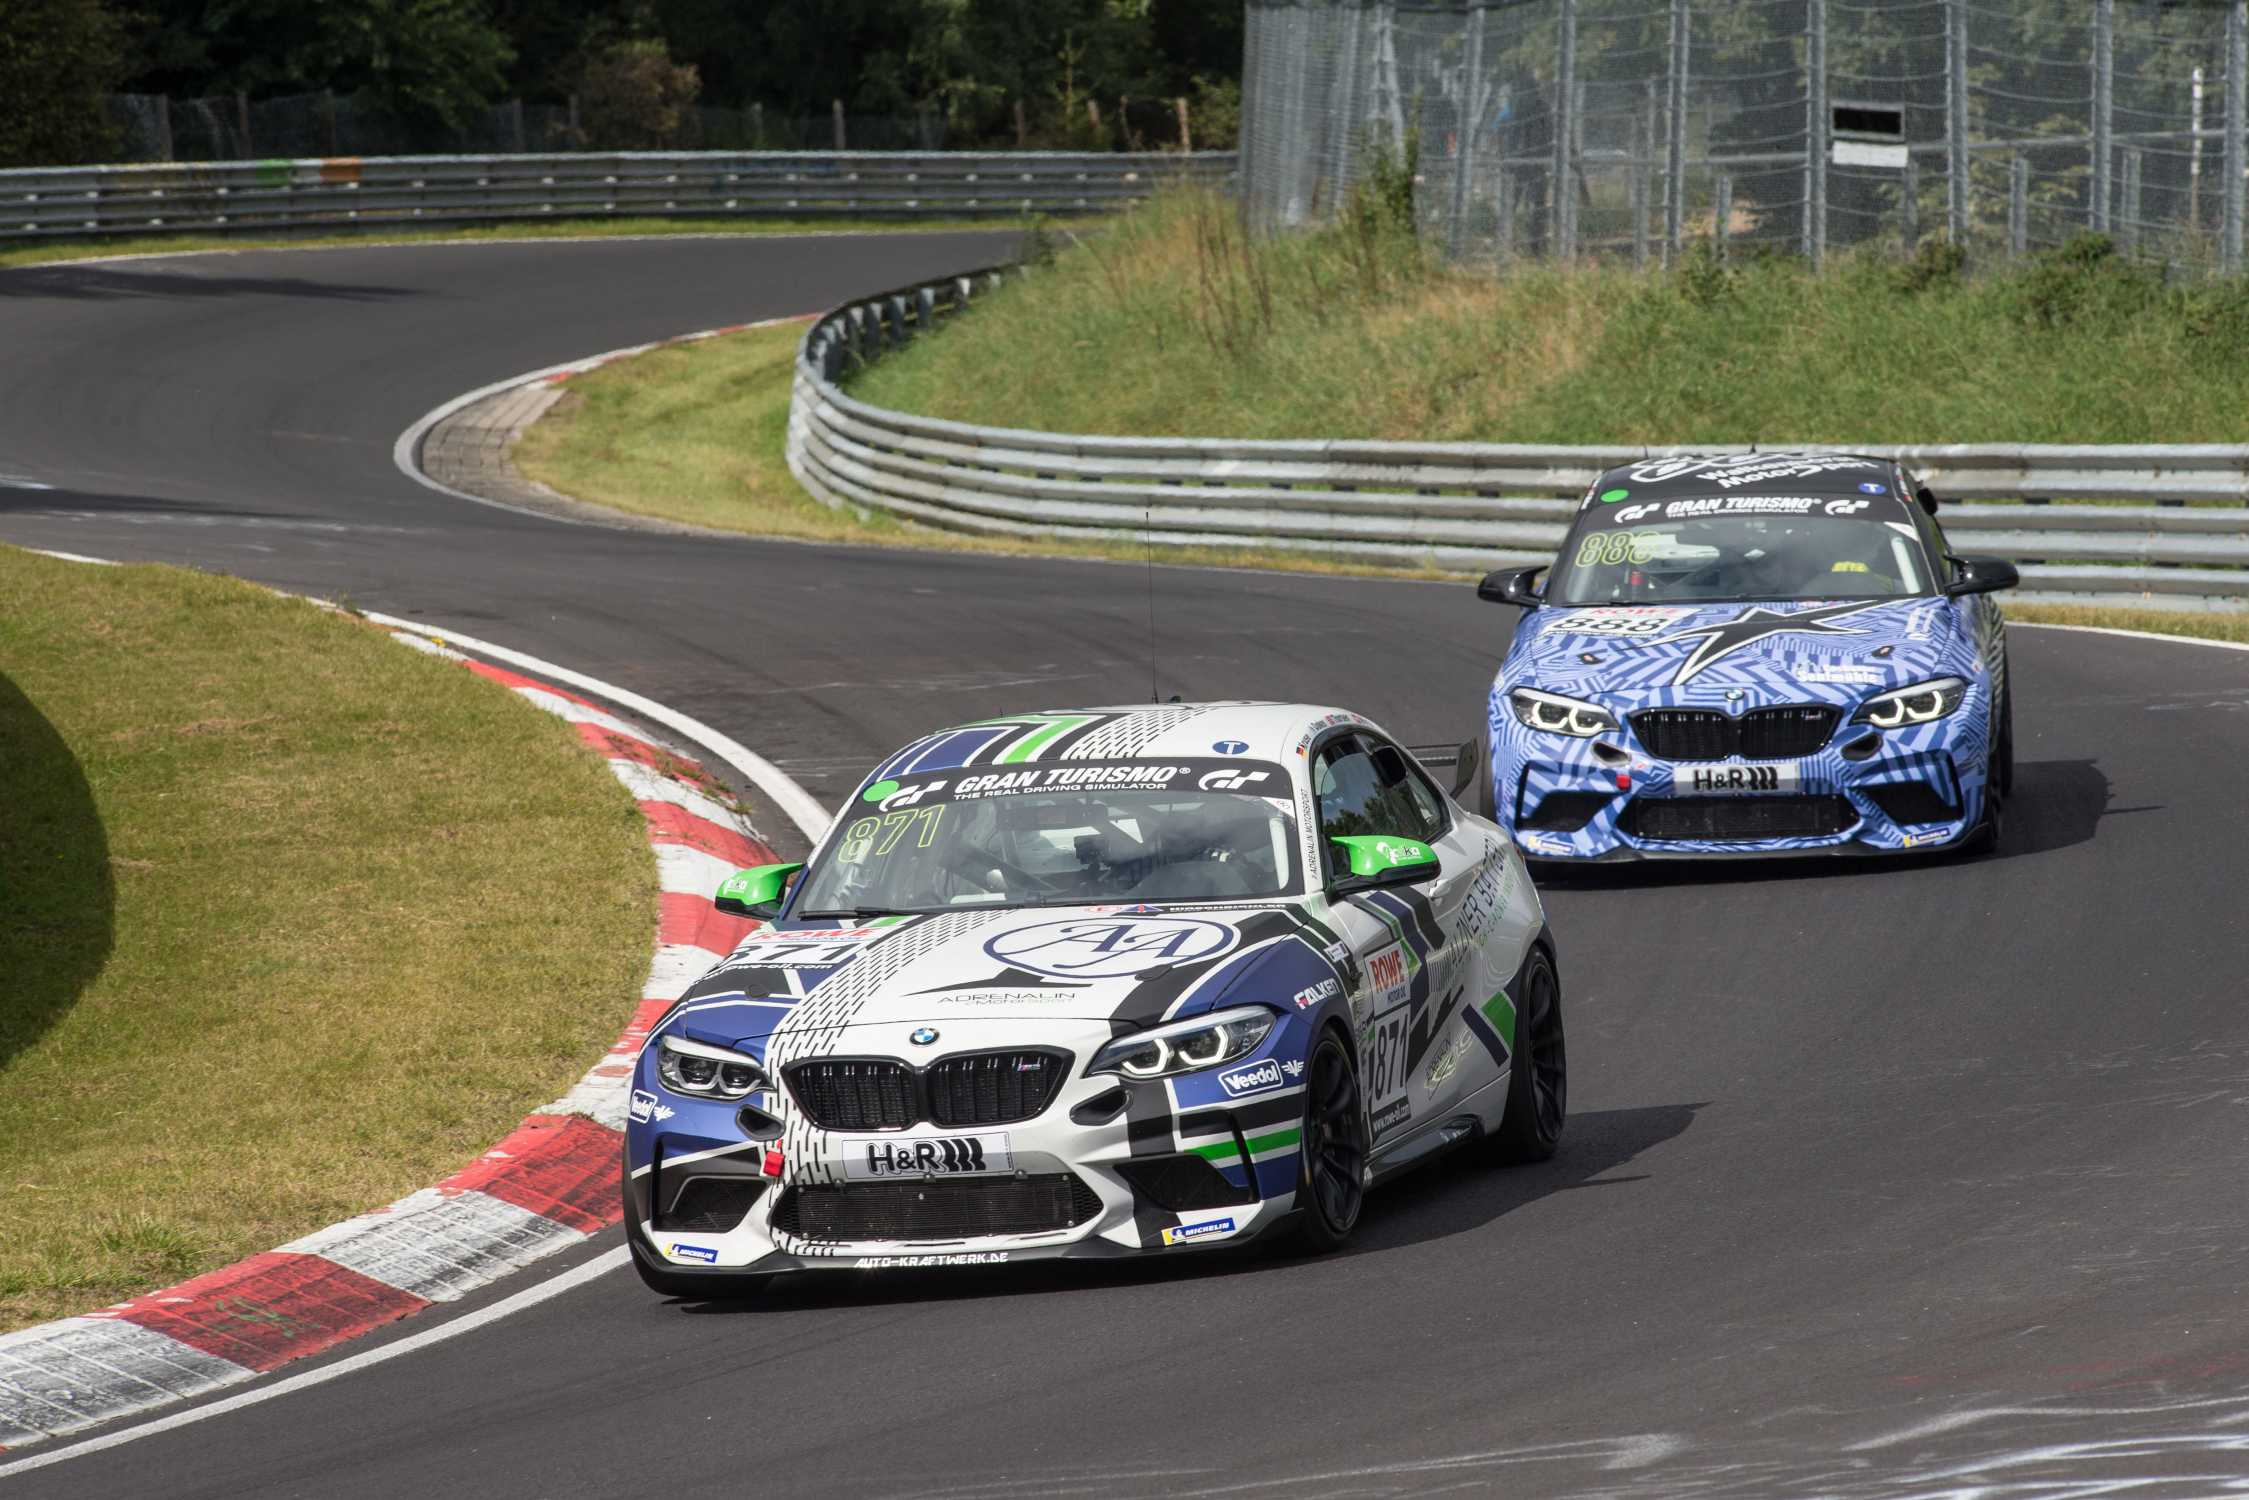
(1779, 652)
(1130, 965)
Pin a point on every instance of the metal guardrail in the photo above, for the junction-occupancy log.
(1467, 506)
(225, 197)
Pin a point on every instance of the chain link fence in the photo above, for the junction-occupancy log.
(157, 128)
(1632, 128)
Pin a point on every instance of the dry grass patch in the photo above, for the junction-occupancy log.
(295, 921)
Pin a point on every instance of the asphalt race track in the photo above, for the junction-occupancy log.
(1878, 1181)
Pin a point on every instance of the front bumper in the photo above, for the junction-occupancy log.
(1111, 1167)
(1915, 790)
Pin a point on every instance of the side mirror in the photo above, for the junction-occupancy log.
(1512, 586)
(1927, 497)
(1373, 859)
(1982, 575)
(755, 892)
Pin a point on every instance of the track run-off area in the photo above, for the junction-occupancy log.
(1904, 1179)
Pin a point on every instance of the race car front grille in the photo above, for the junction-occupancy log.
(1181, 1183)
(1761, 734)
(1912, 802)
(920, 1211)
(1715, 818)
(711, 1205)
(992, 1088)
(856, 1093)
(975, 1088)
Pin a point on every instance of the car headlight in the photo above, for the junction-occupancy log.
(1558, 715)
(1186, 1046)
(703, 1071)
(1918, 704)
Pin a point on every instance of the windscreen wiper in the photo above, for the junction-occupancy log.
(855, 914)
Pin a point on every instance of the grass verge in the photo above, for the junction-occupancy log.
(696, 433)
(47, 251)
(294, 921)
(1174, 323)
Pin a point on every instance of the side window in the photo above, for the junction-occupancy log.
(1365, 785)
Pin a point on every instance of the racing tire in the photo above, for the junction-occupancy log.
(1538, 1073)
(1331, 1170)
(1998, 781)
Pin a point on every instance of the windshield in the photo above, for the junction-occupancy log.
(1718, 550)
(1061, 833)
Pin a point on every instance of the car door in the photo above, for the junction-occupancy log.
(1411, 970)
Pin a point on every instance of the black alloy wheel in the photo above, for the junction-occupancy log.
(1538, 1074)
(1331, 1182)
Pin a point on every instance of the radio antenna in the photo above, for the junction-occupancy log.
(1148, 540)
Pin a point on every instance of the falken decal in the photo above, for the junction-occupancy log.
(1723, 638)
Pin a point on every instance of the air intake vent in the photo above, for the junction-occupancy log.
(1788, 733)
(1716, 819)
(957, 1209)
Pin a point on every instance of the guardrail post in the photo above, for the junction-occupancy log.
(2018, 205)
(2104, 109)
(1956, 120)
(1815, 131)
(1675, 152)
(2237, 131)
(1471, 121)
(1564, 217)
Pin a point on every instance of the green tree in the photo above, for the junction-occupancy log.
(633, 97)
(57, 59)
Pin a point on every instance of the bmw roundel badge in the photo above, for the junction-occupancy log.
(923, 1036)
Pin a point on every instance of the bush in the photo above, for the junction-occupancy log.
(633, 97)
(57, 59)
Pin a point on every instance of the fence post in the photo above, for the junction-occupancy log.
(1910, 225)
(2104, 108)
(163, 127)
(1722, 215)
(1815, 131)
(837, 106)
(1956, 120)
(1186, 136)
(242, 118)
(2128, 218)
(1471, 120)
(515, 126)
(2237, 127)
(2018, 205)
(1565, 133)
(1675, 155)
(1503, 216)
(1643, 147)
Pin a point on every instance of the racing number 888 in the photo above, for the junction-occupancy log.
(1614, 548)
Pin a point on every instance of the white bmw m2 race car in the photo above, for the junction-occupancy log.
(1096, 983)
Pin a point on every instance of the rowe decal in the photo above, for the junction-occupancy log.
(938, 1156)
(1110, 947)
(1255, 1079)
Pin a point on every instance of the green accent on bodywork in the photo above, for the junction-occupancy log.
(1611, 497)
(1277, 1140)
(878, 791)
(1500, 1011)
(1024, 749)
(755, 886)
(1376, 853)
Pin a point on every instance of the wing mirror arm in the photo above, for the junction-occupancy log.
(1512, 586)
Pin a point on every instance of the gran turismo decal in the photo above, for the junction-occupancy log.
(1723, 638)
(1110, 947)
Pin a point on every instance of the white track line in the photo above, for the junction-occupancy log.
(802, 807)
(2131, 635)
(404, 453)
(576, 1276)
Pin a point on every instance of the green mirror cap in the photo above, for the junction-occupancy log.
(1380, 853)
(755, 886)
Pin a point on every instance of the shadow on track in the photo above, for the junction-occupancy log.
(96, 283)
(1454, 1195)
(2057, 804)
(57, 900)
(88, 503)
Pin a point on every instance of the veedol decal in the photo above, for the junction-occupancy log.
(1254, 1079)
(1110, 947)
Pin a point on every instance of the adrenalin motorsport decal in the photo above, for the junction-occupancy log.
(1752, 625)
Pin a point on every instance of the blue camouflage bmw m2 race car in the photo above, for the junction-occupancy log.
(1096, 983)
(1754, 654)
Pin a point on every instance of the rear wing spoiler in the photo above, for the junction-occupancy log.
(1461, 757)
